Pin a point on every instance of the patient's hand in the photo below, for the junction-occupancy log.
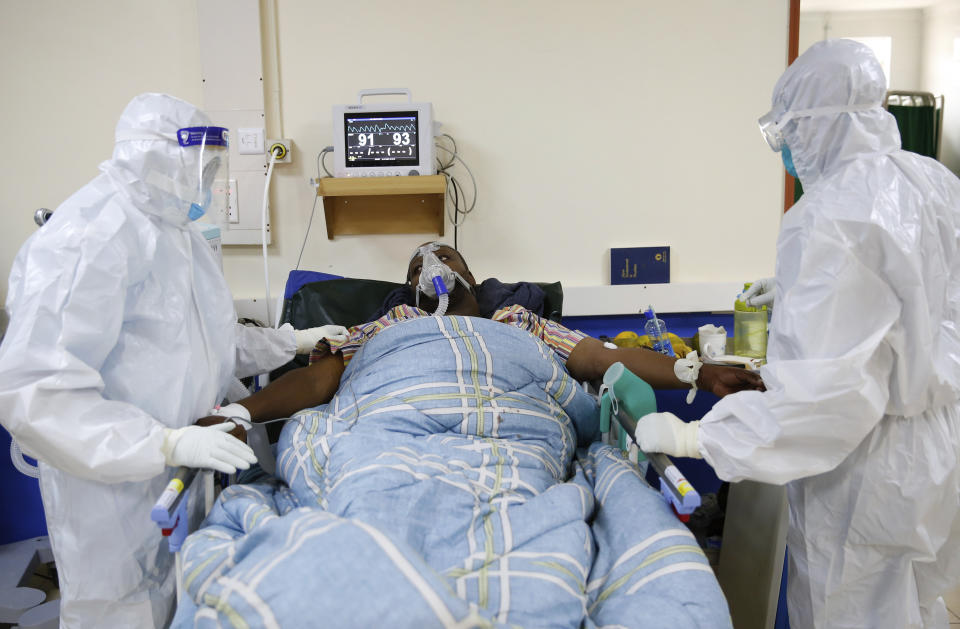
(721, 380)
(239, 432)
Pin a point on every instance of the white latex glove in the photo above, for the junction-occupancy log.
(308, 339)
(207, 447)
(687, 369)
(762, 292)
(237, 413)
(667, 433)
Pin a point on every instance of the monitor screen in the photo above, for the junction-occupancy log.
(381, 139)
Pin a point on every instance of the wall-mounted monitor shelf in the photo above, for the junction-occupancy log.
(383, 205)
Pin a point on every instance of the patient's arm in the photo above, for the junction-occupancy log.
(297, 390)
(590, 359)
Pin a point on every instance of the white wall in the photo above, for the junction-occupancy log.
(68, 70)
(942, 73)
(904, 26)
(588, 125)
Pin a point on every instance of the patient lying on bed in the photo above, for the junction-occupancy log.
(585, 358)
(444, 473)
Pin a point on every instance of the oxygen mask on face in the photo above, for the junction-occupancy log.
(436, 280)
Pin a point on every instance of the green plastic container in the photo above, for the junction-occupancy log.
(633, 395)
(749, 329)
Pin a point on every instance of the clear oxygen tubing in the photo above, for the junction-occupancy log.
(456, 278)
(16, 455)
(263, 235)
(441, 310)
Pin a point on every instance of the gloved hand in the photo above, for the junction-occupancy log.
(308, 339)
(667, 433)
(236, 413)
(762, 292)
(240, 427)
(207, 447)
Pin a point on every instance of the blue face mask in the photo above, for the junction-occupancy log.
(206, 183)
(197, 210)
(787, 158)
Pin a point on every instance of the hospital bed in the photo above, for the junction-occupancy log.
(539, 566)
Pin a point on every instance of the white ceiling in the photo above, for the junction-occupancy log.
(862, 5)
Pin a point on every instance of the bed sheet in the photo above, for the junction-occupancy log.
(450, 482)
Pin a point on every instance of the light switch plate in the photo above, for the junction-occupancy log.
(250, 140)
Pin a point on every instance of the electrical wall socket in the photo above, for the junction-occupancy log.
(285, 157)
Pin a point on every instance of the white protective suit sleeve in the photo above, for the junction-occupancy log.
(261, 350)
(827, 387)
(59, 415)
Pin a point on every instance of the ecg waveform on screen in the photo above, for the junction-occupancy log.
(386, 127)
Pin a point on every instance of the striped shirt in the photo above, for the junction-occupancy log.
(560, 339)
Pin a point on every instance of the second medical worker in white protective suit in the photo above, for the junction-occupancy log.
(122, 332)
(861, 413)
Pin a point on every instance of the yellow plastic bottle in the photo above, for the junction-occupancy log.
(749, 329)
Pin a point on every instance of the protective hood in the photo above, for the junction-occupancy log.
(149, 167)
(835, 73)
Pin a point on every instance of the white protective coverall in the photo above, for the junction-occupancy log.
(121, 325)
(861, 411)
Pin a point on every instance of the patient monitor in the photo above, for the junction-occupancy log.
(383, 139)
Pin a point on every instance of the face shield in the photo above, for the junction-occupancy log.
(211, 195)
(770, 131)
(774, 121)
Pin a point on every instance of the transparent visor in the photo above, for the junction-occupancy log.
(771, 131)
(773, 122)
(211, 197)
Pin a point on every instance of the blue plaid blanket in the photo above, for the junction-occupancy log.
(451, 482)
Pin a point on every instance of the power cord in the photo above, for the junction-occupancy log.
(321, 156)
(323, 160)
(455, 191)
(275, 153)
(440, 165)
(456, 202)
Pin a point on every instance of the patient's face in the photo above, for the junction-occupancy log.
(448, 256)
(462, 301)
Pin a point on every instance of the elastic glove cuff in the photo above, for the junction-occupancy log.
(306, 340)
(170, 438)
(688, 440)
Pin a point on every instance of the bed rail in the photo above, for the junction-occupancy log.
(171, 515)
(675, 489)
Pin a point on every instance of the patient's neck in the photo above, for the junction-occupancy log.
(463, 303)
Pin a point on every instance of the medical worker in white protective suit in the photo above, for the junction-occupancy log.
(122, 332)
(861, 414)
